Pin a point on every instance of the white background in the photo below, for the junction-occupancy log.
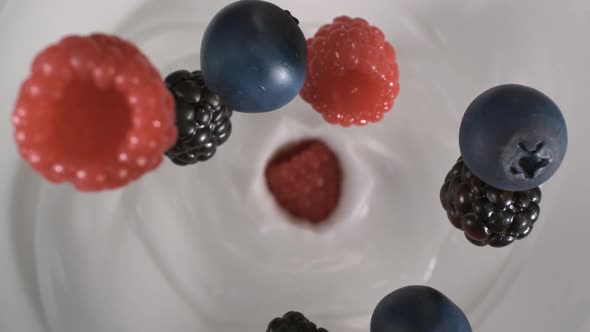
(60, 271)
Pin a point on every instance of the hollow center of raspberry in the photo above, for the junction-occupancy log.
(89, 124)
(352, 91)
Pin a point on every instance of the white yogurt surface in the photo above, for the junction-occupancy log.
(205, 248)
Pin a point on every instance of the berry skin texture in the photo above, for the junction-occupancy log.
(93, 112)
(513, 137)
(352, 74)
(305, 180)
(418, 309)
(254, 56)
(487, 215)
(293, 321)
(202, 120)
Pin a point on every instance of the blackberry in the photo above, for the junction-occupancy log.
(487, 215)
(293, 17)
(293, 322)
(202, 119)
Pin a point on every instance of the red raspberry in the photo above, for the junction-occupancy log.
(352, 74)
(306, 180)
(93, 112)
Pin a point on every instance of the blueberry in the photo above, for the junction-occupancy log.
(513, 137)
(254, 56)
(418, 309)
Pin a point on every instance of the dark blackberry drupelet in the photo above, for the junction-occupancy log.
(293, 322)
(203, 121)
(487, 215)
(293, 17)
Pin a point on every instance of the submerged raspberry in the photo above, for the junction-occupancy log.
(352, 74)
(305, 180)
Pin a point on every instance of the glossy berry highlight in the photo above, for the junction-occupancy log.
(293, 321)
(254, 56)
(513, 137)
(93, 112)
(352, 74)
(202, 119)
(488, 215)
(418, 309)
